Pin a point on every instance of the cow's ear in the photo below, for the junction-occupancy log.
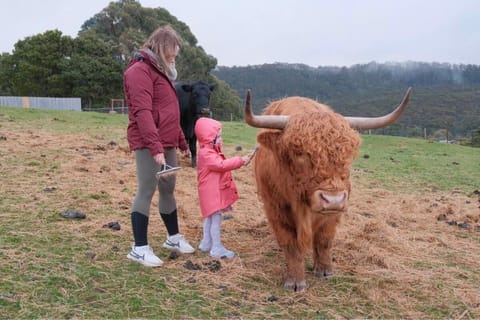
(269, 138)
(212, 86)
(187, 87)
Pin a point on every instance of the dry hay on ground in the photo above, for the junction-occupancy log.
(403, 240)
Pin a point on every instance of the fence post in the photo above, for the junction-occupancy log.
(26, 102)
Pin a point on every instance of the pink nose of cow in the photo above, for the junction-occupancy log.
(332, 201)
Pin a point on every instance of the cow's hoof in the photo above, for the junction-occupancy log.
(323, 273)
(296, 286)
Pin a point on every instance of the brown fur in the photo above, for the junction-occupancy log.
(314, 151)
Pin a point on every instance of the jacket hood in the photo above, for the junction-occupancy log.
(147, 56)
(206, 129)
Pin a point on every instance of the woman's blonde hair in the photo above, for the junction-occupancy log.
(164, 42)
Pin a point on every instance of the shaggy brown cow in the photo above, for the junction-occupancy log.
(302, 170)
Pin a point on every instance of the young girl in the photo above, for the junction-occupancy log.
(216, 189)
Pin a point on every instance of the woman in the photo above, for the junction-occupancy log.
(154, 133)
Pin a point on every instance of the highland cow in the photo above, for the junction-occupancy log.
(302, 172)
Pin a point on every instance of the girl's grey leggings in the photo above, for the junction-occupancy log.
(148, 183)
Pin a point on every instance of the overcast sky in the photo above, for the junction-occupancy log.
(313, 32)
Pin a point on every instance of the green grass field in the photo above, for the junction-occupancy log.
(56, 268)
(396, 162)
(411, 165)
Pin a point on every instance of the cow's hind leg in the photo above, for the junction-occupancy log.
(323, 234)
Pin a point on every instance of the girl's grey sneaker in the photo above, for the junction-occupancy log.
(205, 246)
(178, 243)
(222, 253)
(145, 256)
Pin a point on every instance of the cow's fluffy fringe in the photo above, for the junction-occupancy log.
(315, 150)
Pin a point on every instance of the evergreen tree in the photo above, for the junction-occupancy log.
(37, 63)
(125, 25)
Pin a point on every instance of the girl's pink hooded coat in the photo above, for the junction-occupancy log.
(216, 188)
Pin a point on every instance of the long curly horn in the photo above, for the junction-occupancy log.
(263, 121)
(380, 122)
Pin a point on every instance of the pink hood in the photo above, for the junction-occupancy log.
(206, 129)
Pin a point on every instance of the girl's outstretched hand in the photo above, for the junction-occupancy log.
(247, 158)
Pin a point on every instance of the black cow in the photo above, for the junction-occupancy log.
(194, 99)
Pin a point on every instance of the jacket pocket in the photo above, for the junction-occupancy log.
(226, 181)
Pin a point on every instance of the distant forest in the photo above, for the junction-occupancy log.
(445, 96)
(90, 66)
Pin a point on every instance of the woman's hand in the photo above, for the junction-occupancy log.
(159, 158)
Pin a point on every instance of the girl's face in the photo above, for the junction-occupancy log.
(218, 138)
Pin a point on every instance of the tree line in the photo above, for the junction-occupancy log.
(445, 96)
(91, 65)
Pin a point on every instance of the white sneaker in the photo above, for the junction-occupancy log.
(178, 243)
(222, 253)
(145, 256)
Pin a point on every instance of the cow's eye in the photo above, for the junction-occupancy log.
(301, 158)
